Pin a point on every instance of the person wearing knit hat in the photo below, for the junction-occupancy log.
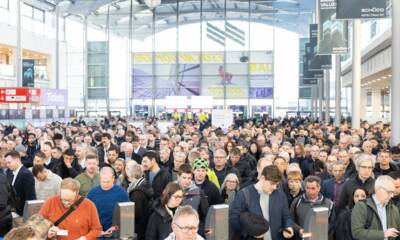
(200, 167)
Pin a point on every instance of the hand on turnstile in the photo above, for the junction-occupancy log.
(304, 235)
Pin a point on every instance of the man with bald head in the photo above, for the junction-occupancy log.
(128, 153)
(105, 197)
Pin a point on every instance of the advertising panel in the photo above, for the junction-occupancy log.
(28, 73)
(361, 9)
(332, 33)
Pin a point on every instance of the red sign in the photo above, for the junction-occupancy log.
(19, 95)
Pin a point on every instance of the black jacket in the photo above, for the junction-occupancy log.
(141, 194)
(134, 156)
(250, 159)
(64, 172)
(378, 171)
(243, 168)
(343, 225)
(349, 186)
(222, 174)
(211, 191)
(160, 181)
(24, 186)
(5, 209)
(159, 225)
(31, 150)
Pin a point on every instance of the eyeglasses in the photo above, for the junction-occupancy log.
(367, 167)
(187, 229)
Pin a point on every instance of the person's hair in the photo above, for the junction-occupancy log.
(31, 134)
(69, 152)
(220, 151)
(70, 184)
(169, 190)
(92, 156)
(193, 155)
(13, 154)
(383, 151)
(97, 137)
(57, 148)
(294, 175)
(311, 179)
(152, 155)
(21, 233)
(107, 135)
(395, 174)
(227, 143)
(235, 151)
(114, 148)
(363, 158)
(135, 171)
(228, 177)
(185, 168)
(36, 169)
(107, 170)
(183, 211)
(135, 138)
(352, 203)
(272, 173)
(382, 181)
(40, 154)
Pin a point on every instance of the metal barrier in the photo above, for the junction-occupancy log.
(217, 222)
(31, 207)
(124, 218)
(316, 223)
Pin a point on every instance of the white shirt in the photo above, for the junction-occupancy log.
(381, 213)
(15, 172)
(48, 161)
(82, 163)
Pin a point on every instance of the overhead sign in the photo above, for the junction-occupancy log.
(332, 34)
(361, 9)
(53, 97)
(222, 118)
(28, 73)
(19, 95)
(316, 62)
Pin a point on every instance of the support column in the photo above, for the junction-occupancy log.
(327, 95)
(313, 101)
(108, 32)
(395, 88)
(130, 63)
(376, 102)
(153, 61)
(338, 88)
(85, 66)
(18, 53)
(57, 48)
(356, 87)
(320, 98)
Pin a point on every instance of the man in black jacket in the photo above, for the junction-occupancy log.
(5, 209)
(32, 148)
(221, 169)
(156, 176)
(21, 179)
(240, 164)
(364, 166)
(102, 149)
(68, 166)
(200, 167)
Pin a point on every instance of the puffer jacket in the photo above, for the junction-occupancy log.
(375, 231)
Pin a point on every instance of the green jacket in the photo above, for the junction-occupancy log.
(375, 232)
(87, 183)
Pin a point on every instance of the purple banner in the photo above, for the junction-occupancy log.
(53, 97)
(260, 93)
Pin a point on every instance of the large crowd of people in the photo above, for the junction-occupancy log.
(271, 173)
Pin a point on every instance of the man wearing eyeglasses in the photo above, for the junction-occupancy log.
(384, 221)
(185, 225)
(364, 166)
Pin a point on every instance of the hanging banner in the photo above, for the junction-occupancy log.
(28, 73)
(316, 62)
(332, 34)
(361, 9)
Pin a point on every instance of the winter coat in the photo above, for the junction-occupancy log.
(375, 231)
(160, 181)
(159, 225)
(348, 188)
(278, 211)
(64, 172)
(5, 208)
(141, 194)
(211, 191)
(343, 225)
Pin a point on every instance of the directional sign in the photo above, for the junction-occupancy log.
(19, 95)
